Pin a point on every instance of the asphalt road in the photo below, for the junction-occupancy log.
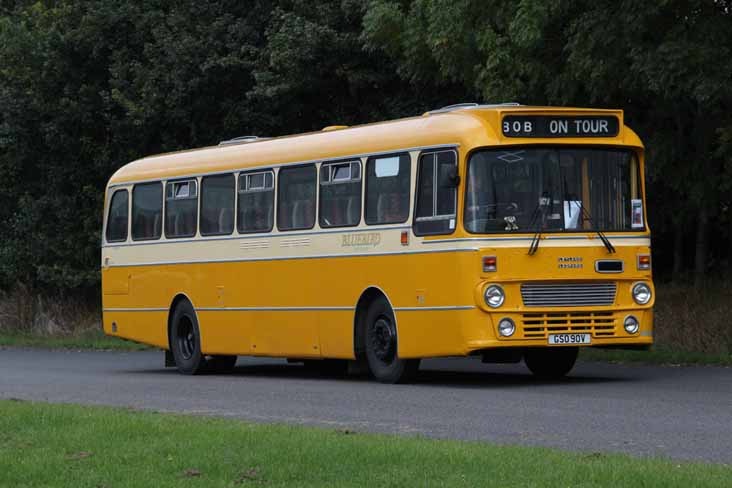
(681, 413)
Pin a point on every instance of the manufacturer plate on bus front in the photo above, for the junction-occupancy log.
(564, 339)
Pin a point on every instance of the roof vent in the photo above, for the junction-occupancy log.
(242, 140)
(459, 106)
(334, 127)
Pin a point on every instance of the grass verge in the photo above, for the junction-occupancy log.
(67, 445)
(656, 356)
(86, 340)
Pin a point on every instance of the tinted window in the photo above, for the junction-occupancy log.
(256, 202)
(117, 218)
(340, 194)
(147, 211)
(387, 189)
(217, 205)
(552, 189)
(181, 208)
(296, 198)
(436, 193)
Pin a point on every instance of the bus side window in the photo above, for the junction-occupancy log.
(147, 211)
(296, 198)
(256, 202)
(181, 208)
(117, 218)
(340, 194)
(387, 189)
(436, 193)
(217, 205)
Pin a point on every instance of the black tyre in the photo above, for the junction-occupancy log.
(381, 346)
(550, 363)
(185, 340)
(220, 364)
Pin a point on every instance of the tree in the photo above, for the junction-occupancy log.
(668, 63)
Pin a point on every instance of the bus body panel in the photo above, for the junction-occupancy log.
(294, 294)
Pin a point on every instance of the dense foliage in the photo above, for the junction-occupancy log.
(86, 86)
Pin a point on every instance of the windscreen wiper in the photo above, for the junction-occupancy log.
(539, 217)
(586, 215)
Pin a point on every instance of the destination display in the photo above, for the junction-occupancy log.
(548, 126)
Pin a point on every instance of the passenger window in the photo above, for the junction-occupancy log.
(340, 194)
(296, 198)
(387, 189)
(147, 211)
(181, 209)
(256, 202)
(436, 193)
(217, 205)
(117, 217)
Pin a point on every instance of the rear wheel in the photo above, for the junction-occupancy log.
(185, 340)
(550, 363)
(381, 346)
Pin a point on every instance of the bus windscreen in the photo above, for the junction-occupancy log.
(519, 190)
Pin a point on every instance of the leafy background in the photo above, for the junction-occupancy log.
(87, 86)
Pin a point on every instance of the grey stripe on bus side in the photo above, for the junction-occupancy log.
(509, 238)
(136, 309)
(292, 309)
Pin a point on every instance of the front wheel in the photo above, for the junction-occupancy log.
(381, 346)
(185, 340)
(550, 363)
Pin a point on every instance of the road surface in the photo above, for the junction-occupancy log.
(683, 413)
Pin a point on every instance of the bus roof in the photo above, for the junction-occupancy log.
(466, 126)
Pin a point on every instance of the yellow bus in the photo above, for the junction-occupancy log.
(505, 232)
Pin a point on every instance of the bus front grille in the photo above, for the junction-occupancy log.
(538, 325)
(568, 294)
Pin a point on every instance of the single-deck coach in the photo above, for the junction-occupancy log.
(504, 231)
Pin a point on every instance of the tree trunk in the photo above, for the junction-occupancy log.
(702, 244)
(678, 268)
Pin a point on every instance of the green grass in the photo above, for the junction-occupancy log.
(67, 445)
(85, 340)
(660, 356)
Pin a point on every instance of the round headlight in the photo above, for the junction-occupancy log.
(506, 327)
(494, 296)
(631, 324)
(641, 293)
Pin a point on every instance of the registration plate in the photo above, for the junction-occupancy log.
(561, 339)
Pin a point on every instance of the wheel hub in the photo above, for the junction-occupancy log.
(186, 338)
(383, 341)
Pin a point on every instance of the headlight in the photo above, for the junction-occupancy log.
(506, 327)
(631, 324)
(641, 293)
(494, 296)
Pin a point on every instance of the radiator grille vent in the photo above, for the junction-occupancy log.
(568, 294)
(539, 325)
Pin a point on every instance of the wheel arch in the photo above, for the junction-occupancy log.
(177, 299)
(367, 297)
